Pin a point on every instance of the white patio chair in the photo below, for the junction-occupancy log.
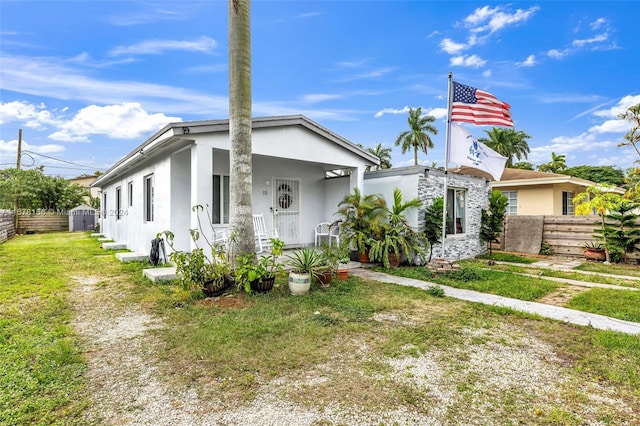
(261, 233)
(321, 230)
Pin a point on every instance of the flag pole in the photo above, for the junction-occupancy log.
(447, 139)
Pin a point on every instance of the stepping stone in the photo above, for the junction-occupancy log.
(97, 235)
(104, 239)
(160, 274)
(131, 257)
(114, 246)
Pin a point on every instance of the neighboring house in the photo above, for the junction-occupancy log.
(85, 182)
(301, 171)
(537, 193)
(467, 196)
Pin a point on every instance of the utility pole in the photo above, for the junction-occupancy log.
(17, 200)
(19, 149)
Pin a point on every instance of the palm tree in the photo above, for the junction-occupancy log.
(632, 115)
(240, 177)
(557, 163)
(417, 136)
(383, 154)
(508, 143)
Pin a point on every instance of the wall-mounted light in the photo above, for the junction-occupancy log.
(267, 182)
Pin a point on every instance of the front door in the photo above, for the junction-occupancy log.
(286, 209)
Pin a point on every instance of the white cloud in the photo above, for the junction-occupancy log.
(319, 97)
(557, 54)
(529, 62)
(33, 116)
(598, 23)
(451, 47)
(391, 111)
(438, 113)
(497, 19)
(596, 39)
(125, 121)
(620, 108)
(487, 73)
(155, 47)
(50, 77)
(472, 61)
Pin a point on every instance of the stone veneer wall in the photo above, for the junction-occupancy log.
(462, 246)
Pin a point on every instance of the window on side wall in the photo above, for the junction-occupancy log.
(220, 210)
(118, 202)
(456, 211)
(512, 207)
(104, 205)
(148, 198)
(130, 193)
(567, 203)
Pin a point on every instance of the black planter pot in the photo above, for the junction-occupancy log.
(215, 288)
(263, 286)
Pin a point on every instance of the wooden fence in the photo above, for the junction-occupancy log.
(7, 224)
(42, 221)
(567, 235)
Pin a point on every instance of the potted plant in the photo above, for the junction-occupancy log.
(362, 216)
(196, 269)
(304, 263)
(331, 257)
(594, 251)
(259, 274)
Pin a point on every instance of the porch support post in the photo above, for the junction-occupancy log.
(201, 186)
(357, 179)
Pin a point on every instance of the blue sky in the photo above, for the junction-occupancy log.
(88, 81)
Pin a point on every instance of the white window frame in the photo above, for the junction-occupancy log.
(130, 193)
(118, 202)
(568, 208)
(148, 198)
(512, 208)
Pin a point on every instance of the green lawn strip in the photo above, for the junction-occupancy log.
(41, 364)
(616, 269)
(486, 281)
(508, 257)
(545, 272)
(624, 305)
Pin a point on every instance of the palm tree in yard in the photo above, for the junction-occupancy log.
(508, 142)
(557, 163)
(383, 154)
(240, 177)
(417, 137)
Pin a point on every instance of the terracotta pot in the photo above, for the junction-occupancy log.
(263, 286)
(342, 274)
(595, 254)
(325, 278)
(364, 257)
(394, 260)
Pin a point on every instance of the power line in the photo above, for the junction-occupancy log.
(62, 161)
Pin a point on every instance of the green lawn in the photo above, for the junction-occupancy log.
(229, 348)
(619, 304)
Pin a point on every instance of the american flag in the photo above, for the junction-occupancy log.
(476, 106)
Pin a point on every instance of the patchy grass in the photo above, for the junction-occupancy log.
(509, 257)
(486, 281)
(545, 272)
(616, 269)
(619, 304)
(41, 361)
(363, 346)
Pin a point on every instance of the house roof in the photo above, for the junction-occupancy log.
(520, 177)
(180, 131)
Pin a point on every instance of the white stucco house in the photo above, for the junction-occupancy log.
(301, 171)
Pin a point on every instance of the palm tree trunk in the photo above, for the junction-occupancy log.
(415, 155)
(240, 176)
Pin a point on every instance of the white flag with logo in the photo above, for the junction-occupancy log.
(465, 150)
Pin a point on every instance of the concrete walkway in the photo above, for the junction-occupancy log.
(548, 311)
